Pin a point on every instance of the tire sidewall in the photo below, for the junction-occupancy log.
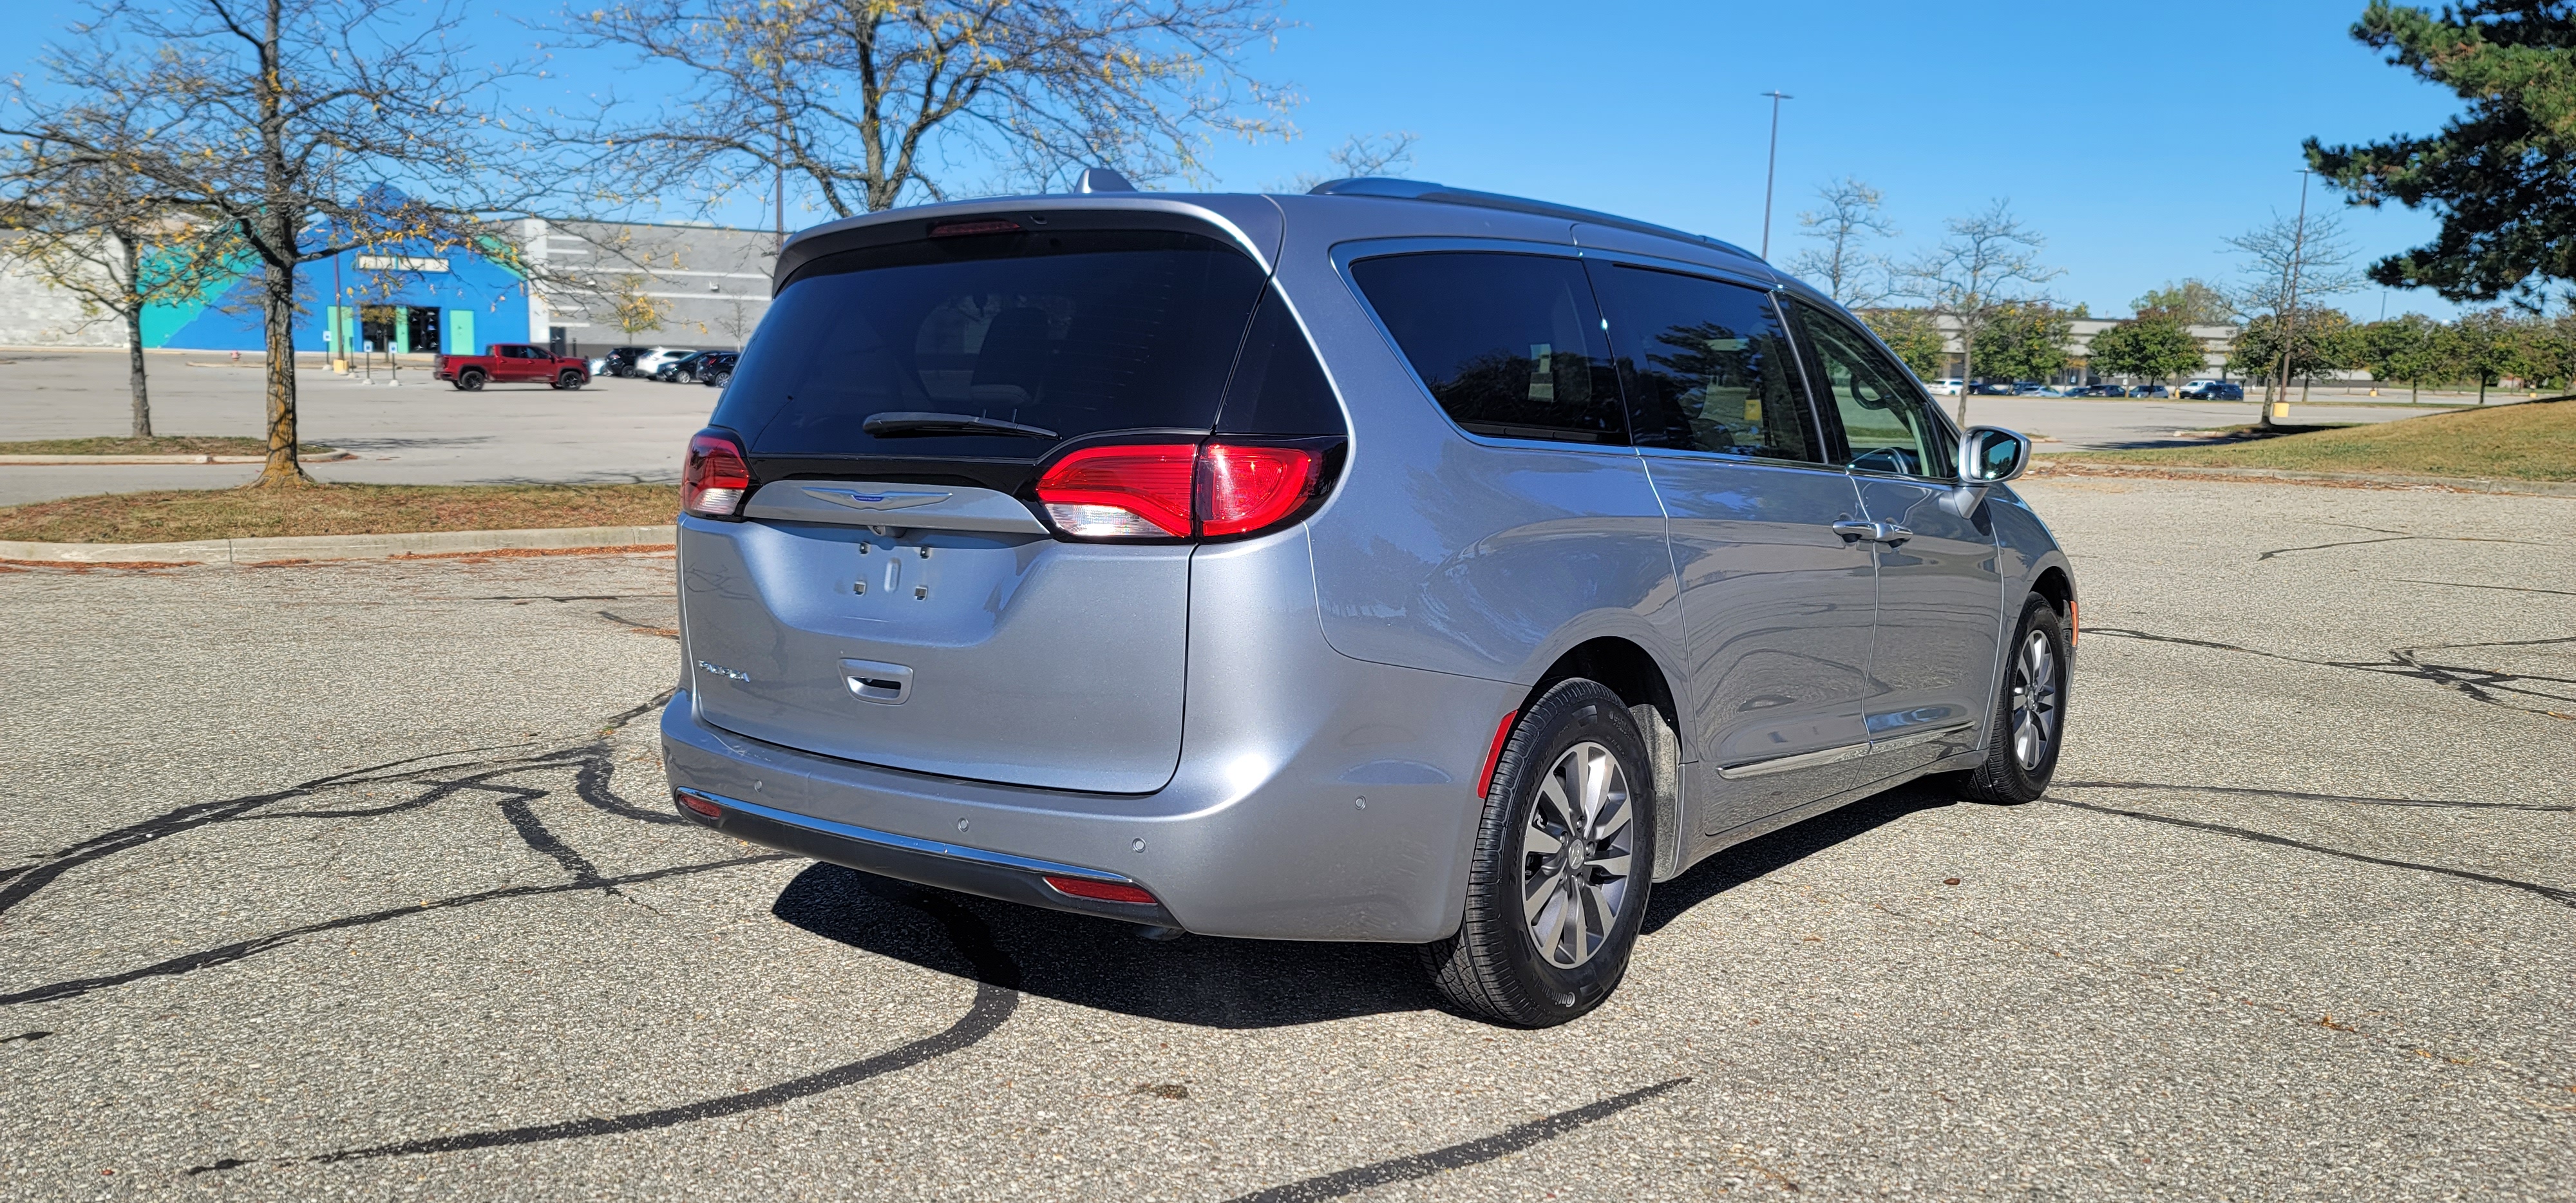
(1574, 712)
(2036, 615)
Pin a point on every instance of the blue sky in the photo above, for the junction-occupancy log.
(2134, 136)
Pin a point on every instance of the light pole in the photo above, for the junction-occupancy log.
(1771, 173)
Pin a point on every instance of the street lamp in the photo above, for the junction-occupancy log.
(1771, 173)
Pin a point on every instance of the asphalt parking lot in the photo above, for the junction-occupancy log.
(358, 880)
(622, 431)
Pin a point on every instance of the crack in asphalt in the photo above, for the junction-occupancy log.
(2477, 684)
(1340, 1183)
(2282, 551)
(238, 950)
(2298, 795)
(2561, 895)
(2508, 588)
(997, 997)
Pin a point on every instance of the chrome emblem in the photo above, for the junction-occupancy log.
(722, 671)
(889, 500)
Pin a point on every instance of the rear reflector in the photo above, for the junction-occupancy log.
(957, 228)
(1494, 755)
(701, 805)
(715, 476)
(1105, 891)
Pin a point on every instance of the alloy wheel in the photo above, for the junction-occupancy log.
(2034, 701)
(1577, 855)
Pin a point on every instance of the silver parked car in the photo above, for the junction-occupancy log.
(1390, 563)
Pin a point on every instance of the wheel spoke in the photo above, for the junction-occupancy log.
(1538, 889)
(1613, 864)
(1539, 841)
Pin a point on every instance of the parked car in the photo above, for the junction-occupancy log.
(2029, 388)
(716, 370)
(1069, 568)
(1947, 386)
(512, 363)
(2214, 390)
(1985, 388)
(651, 360)
(683, 370)
(2150, 390)
(620, 361)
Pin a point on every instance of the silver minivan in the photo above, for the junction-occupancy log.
(1391, 562)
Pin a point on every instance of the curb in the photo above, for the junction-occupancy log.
(2043, 468)
(337, 547)
(28, 461)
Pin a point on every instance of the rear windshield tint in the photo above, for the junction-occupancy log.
(1510, 345)
(1074, 333)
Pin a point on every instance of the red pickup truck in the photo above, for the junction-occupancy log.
(513, 363)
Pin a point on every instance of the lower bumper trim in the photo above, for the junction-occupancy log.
(996, 875)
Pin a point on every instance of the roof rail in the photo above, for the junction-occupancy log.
(1374, 185)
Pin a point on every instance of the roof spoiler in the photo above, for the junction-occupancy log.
(1425, 190)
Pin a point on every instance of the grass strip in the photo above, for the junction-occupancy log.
(179, 515)
(2534, 440)
(177, 444)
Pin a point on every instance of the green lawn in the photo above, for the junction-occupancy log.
(176, 515)
(2531, 441)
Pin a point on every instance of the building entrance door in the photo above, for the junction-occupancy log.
(421, 323)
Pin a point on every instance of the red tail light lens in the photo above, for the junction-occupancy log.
(701, 806)
(1177, 490)
(1105, 891)
(1122, 492)
(716, 476)
(1243, 489)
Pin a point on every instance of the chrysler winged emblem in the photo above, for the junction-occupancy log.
(890, 499)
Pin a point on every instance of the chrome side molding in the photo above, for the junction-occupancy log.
(1809, 760)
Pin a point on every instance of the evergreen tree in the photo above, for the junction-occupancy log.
(2498, 174)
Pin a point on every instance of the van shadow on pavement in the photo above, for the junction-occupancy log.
(1224, 983)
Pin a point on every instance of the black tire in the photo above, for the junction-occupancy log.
(2022, 710)
(720, 379)
(470, 380)
(569, 379)
(1494, 966)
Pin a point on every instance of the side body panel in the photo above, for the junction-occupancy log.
(1777, 611)
(1939, 614)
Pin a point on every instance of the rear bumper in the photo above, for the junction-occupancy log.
(1317, 797)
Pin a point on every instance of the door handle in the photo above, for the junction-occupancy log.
(1875, 532)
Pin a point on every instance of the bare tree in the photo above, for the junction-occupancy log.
(280, 120)
(2289, 261)
(93, 229)
(1850, 220)
(1989, 261)
(869, 101)
(1359, 155)
(2276, 252)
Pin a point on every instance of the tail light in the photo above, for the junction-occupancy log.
(1178, 490)
(716, 476)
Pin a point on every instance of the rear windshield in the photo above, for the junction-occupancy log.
(1072, 333)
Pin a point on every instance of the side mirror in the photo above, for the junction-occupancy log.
(1991, 455)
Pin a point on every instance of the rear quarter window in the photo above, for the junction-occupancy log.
(1510, 345)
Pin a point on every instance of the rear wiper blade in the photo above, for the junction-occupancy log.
(924, 423)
